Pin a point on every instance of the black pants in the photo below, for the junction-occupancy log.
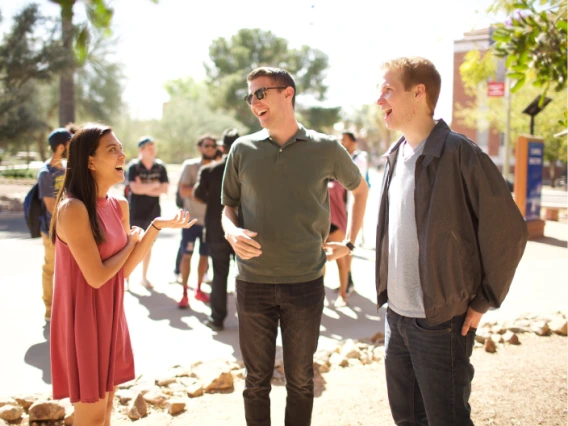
(221, 256)
(298, 307)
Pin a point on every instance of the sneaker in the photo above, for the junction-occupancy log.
(207, 278)
(340, 302)
(184, 302)
(213, 325)
(202, 297)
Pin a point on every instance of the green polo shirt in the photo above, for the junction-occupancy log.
(282, 194)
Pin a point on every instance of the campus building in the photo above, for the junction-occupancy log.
(488, 138)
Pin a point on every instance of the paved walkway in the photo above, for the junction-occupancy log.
(162, 335)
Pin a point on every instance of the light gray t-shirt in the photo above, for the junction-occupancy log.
(189, 174)
(403, 285)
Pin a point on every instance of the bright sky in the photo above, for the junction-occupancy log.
(169, 40)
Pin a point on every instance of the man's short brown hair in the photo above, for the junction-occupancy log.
(416, 70)
(279, 76)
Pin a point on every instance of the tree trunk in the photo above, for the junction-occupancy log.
(41, 145)
(552, 173)
(66, 82)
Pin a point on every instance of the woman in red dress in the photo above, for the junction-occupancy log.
(95, 250)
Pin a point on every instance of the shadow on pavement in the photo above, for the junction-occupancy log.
(161, 307)
(38, 356)
(552, 242)
(359, 319)
(230, 335)
(13, 225)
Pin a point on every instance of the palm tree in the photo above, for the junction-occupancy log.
(75, 41)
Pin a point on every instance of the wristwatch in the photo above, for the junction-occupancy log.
(350, 246)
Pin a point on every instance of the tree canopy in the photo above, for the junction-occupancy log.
(30, 54)
(533, 41)
(232, 59)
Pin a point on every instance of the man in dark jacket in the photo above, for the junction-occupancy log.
(208, 189)
(449, 239)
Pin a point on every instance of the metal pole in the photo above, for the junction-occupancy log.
(507, 135)
(532, 125)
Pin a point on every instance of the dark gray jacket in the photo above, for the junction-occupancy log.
(471, 234)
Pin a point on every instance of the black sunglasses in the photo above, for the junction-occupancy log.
(260, 93)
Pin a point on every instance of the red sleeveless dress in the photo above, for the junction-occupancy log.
(90, 344)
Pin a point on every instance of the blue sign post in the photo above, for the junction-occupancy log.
(534, 180)
(528, 182)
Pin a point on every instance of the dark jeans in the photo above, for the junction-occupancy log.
(221, 256)
(428, 371)
(298, 307)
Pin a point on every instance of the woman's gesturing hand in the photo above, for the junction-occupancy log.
(180, 220)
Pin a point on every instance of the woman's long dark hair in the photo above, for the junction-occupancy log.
(79, 182)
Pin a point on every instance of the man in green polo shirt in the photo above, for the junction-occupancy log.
(276, 218)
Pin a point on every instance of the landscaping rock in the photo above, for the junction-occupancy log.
(238, 374)
(125, 396)
(511, 338)
(558, 326)
(540, 328)
(194, 388)
(490, 346)
(378, 338)
(8, 401)
(337, 360)
(378, 353)
(25, 401)
(350, 350)
(11, 412)
(156, 397)
(179, 371)
(215, 377)
(46, 410)
(176, 406)
(165, 381)
(137, 408)
(497, 338)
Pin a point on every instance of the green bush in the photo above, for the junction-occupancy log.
(18, 174)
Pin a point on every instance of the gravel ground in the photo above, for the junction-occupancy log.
(518, 385)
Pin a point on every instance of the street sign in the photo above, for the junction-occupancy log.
(496, 89)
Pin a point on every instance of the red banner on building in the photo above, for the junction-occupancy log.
(496, 88)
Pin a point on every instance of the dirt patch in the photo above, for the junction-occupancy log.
(518, 385)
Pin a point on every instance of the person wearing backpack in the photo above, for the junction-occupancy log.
(50, 178)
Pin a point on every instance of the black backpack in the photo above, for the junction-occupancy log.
(34, 211)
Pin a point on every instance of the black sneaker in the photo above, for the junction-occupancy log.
(213, 325)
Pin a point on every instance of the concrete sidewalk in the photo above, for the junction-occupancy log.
(163, 335)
